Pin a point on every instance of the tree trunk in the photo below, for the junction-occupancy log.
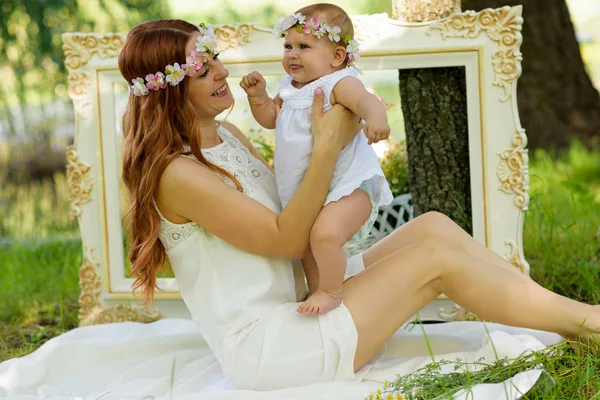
(434, 104)
(556, 99)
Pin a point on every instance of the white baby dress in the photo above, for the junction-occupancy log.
(357, 164)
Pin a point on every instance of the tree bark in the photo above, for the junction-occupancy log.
(556, 98)
(434, 104)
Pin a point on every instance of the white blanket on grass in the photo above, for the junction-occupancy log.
(169, 359)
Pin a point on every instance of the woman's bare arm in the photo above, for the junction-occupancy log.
(193, 192)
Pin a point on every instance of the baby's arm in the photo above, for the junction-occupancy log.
(264, 109)
(351, 93)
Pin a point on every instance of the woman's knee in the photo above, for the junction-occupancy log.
(437, 224)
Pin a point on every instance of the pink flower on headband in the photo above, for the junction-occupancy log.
(156, 81)
(196, 58)
(312, 25)
(190, 69)
(194, 62)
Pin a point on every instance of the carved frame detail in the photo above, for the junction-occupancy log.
(79, 180)
(502, 25)
(420, 11)
(513, 170)
(79, 49)
(92, 311)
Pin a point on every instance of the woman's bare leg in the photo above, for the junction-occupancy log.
(410, 278)
(431, 224)
(335, 224)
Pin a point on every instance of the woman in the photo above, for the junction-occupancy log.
(203, 197)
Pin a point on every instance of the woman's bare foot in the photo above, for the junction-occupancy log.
(588, 330)
(320, 302)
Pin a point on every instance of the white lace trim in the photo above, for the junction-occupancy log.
(303, 97)
(172, 235)
(236, 159)
(380, 196)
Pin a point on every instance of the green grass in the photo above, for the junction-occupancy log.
(38, 293)
(567, 376)
(562, 227)
(39, 282)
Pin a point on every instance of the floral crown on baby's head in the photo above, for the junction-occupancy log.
(319, 29)
(206, 44)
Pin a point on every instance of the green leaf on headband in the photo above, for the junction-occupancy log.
(347, 38)
(298, 27)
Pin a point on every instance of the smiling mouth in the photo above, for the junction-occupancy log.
(219, 92)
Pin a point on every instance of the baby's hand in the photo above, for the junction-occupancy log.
(376, 131)
(254, 85)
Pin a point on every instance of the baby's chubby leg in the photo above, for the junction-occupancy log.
(336, 223)
(311, 271)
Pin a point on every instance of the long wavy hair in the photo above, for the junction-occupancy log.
(156, 127)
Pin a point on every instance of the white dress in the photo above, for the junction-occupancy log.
(245, 304)
(356, 165)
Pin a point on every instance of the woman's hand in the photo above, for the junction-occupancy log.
(336, 127)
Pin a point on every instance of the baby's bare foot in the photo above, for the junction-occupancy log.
(320, 302)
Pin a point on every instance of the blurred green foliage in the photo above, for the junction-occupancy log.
(31, 55)
(263, 12)
(395, 166)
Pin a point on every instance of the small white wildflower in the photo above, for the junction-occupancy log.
(334, 33)
(175, 74)
(139, 87)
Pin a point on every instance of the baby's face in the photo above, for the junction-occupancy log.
(306, 57)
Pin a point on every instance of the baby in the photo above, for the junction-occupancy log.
(319, 52)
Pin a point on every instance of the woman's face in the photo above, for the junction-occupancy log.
(208, 90)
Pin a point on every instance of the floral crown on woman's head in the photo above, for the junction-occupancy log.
(319, 29)
(206, 44)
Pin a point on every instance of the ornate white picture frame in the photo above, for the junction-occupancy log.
(486, 44)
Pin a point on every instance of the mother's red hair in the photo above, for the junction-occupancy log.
(156, 127)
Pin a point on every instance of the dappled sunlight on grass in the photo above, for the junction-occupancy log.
(562, 227)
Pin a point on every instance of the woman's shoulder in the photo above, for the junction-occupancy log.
(178, 171)
(175, 184)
